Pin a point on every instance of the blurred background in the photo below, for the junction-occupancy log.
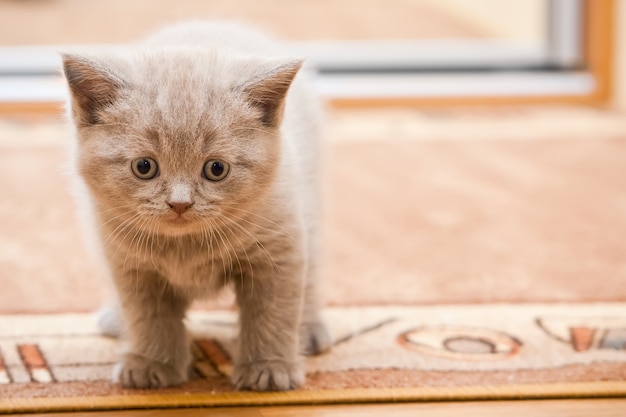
(501, 125)
(35, 22)
(407, 50)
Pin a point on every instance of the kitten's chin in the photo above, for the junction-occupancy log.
(176, 226)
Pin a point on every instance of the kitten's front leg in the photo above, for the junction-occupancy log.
(270, 300)
(158, 354)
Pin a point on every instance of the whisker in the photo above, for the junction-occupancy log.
(257, 242)
(264, 219)
(119, 229)
(225, 247)
(138, 227)
(116, 217)
(115, 208)
(122, 225)
(245, 252)
(207, 233)
(129, 225)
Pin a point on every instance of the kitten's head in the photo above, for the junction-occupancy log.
(173, 139)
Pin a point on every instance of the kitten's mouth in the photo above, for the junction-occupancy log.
(178, 219)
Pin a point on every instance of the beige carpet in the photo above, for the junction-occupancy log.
(468, 255)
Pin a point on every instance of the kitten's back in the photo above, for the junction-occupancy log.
(225, 36)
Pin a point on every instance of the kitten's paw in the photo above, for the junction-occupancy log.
(272, 375)
(138, 372)
(314, 338)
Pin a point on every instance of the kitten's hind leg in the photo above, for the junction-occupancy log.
(110, 320)
(314, 337)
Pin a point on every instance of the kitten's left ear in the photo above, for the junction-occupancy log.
(92, 86)
(268, 93)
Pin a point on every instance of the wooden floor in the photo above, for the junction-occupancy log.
(551, 408)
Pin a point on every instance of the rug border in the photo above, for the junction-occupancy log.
(600, 389)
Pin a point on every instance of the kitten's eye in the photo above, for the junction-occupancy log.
(215, 170)
(144, 168)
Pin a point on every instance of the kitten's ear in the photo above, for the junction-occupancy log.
(92, 87)
(269, 91)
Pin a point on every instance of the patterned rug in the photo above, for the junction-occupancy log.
(59, 362)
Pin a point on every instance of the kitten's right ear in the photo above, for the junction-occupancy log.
(267, 94)
(92, 88)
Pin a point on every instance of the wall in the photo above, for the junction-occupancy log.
(620, 55)
(520, 20)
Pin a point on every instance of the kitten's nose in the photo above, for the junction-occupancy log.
(179, 207)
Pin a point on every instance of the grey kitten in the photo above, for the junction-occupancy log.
(196, 151)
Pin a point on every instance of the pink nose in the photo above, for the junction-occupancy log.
(179, 208)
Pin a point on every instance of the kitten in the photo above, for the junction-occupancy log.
(197, 151)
